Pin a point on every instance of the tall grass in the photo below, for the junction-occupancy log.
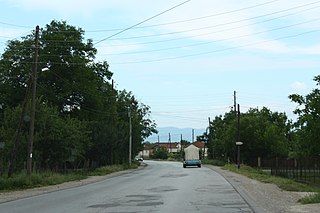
(38, 179)
(24, 181)
(313, 198)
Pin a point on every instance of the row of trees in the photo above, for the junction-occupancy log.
(81, 118)
(268, 134)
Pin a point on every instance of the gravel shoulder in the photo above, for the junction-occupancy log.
(264, 197)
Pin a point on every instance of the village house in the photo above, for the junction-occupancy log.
(172, 147)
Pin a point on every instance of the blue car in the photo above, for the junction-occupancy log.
(192, 163)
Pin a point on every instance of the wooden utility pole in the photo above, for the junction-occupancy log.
(130, 137)
(33, 102)
(169, 142)
(238, 123)
(192, 135)
(238, 137)
(235, 102)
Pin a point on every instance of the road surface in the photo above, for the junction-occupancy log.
(164, 187)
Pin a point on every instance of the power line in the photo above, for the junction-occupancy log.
(142, 22)
(218, 25)
(215, 41)
(188, 20)
(219, 50)
(15, 25)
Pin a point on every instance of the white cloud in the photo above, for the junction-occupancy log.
(298, 85)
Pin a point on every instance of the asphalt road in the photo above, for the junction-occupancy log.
(163, 187)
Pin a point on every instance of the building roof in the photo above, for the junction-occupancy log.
(199, 144)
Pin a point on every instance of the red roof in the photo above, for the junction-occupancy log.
(172, 145)
(199, 144)
(169, 145)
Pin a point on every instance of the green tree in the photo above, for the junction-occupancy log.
(307, 127)
(80, 115)
(263, 133)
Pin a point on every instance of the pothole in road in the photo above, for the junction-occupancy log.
(150, 204)
(214, 188)
(162, 189)
(131, 201)
(174, 175)
(106, 205)
(142, 198)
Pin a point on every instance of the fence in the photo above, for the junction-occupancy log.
(305, 170)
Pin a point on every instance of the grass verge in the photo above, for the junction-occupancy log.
(23, 181)
(314, 198)
(283, 183)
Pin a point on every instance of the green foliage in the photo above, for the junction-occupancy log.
(213, 162)
(263, 133)
(313, 198)
(81, 119)
(307, 127)
(160, 153)
(111, 169)
(24, 181)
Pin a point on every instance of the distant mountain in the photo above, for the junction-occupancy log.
(175, 133)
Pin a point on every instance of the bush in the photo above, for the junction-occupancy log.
(160, 154)
(214, 162)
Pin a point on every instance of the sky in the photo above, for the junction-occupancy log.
(188, 57)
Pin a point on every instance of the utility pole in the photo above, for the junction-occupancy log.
(238, 123)
(33, 102)
(169, 142)
(238, 143)
(192, 135)
(207, 141)
(235, 102)
(130, 136)
(181, 141)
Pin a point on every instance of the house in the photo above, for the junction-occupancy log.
(149, 148)
(202, 147)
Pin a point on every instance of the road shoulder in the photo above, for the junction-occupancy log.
(264, 197)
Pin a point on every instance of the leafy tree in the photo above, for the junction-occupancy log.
(80, 115)
(307, 127)
(263, 133)
(160, 153)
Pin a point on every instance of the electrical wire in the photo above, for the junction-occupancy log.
(188, 20)
(218, 50)
(218, 25)
(128, 28)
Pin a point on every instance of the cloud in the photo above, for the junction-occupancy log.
(298, 85)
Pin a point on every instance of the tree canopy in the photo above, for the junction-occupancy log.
(264, 134)
(307, 127)
(81, 118)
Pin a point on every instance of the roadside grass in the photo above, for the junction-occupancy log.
(313, 198)
(283, 183)
(37, 179)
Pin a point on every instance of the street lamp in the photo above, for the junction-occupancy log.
(238, 157)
